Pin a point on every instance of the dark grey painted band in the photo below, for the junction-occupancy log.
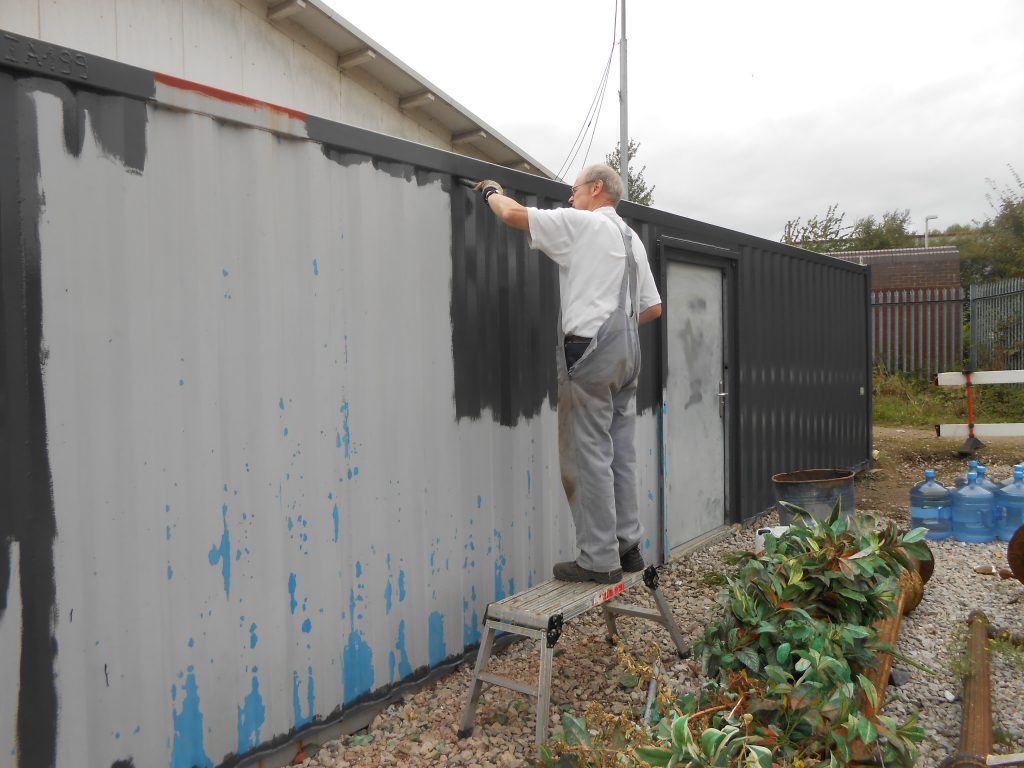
(25, 485)
(36, 57)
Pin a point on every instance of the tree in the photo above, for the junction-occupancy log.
(828, 234)
(871, 235)
(637, 188)
(994, 249)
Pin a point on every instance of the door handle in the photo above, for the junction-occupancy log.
(722, 394)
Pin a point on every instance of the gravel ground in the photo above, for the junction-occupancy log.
(421, 729)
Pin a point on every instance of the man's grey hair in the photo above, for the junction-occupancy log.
(610, 177)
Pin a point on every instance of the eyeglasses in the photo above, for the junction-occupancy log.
(581, 184)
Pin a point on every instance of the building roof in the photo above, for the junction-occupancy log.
(938, 253)
(415, 93)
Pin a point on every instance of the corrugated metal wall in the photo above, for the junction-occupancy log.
(279, 416)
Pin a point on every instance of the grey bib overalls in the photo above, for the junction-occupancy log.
(596, 431)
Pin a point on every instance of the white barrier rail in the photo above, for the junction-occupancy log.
(958, 379)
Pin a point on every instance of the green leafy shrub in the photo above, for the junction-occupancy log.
(786, 663)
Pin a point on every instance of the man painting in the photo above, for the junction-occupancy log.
(606, 291)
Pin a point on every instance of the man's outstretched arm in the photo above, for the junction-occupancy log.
(505, 208)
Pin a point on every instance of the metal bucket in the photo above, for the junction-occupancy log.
(814, 490)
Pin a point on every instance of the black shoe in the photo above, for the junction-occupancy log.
(632, 561)
(571, 571)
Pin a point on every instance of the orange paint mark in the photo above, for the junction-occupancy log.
(228, 96)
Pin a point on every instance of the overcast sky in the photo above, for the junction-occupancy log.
(749, 113)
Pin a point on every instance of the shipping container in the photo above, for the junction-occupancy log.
(279, 408)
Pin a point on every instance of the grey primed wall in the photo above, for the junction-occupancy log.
(291, 387)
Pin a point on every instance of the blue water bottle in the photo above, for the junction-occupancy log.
(1010, 505)
(961, 480)
(931, 507)
(985, 481)
(1009, 480)
(972, 512)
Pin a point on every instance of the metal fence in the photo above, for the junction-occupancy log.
(918, 331)
(997, 325)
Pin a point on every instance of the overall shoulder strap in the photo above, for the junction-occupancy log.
(629, 273)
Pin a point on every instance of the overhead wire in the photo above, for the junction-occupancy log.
(594, 112)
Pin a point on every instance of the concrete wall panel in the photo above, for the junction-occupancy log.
(149, 33)
(86, 26)
(21, 16)
(213, 43)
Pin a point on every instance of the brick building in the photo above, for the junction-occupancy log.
(905, 268)
(917, 308)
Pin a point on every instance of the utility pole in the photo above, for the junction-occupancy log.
(623, 111)
(926, 220)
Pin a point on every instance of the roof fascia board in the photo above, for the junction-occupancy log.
(385, 55)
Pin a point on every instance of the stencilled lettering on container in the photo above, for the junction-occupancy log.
(60, 61)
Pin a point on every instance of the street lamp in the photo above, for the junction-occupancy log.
(926, 220)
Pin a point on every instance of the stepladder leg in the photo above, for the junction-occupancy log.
(482, 656)
(609, 623)
(670, 623)
(544, 691)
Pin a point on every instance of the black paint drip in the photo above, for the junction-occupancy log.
(28, 517)
(27, 514)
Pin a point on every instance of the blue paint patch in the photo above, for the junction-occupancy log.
(181, 382)
(470, 629)
(647, 544)
(401, 586)
(337, 519)
(337, 439)
(170, 572)
(358, 667)
(253, 639)
(222, 554)
(301, 720)
(316, 267)
(188, 750)
(251, 715)
(191, 642)
(435, 643)
(224, 272)
(479, 501)
(280, 403)
(499, 568)
(359, 569)
(650, 496)
(346, 440)
(307, 626)
(291, 591)
(404, 667)
(387, 597)
(286, 431)
(529, 481)
(167, 533)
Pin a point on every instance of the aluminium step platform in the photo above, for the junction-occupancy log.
(540, 613)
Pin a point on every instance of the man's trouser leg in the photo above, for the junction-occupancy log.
(628, 529)
(585, 447)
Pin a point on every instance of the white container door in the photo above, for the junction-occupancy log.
(694, 408)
